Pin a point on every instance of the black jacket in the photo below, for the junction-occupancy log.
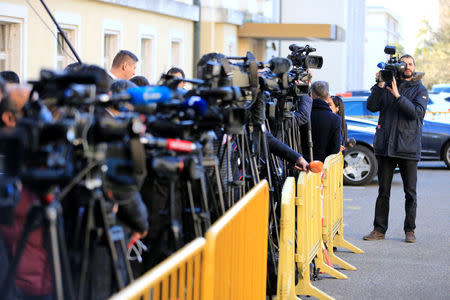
(281, 150)
(325, 129)
(399, 129)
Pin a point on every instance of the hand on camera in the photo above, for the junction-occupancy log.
(301, 164)
(394, 89)
(381, 84)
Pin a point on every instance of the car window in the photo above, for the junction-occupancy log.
(358, 109)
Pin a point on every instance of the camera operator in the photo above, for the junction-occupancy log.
(397, 142)
(33, 276)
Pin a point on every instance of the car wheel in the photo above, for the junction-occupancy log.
(360, 165)
(446, 154)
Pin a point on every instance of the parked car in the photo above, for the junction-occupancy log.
(438, 108)
(360, 165)
(442, 87)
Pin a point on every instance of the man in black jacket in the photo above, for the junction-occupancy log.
(325, 125)
(398, 142)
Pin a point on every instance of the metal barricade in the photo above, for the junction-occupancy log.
(333, 221)
(236, 250)
(178, 277)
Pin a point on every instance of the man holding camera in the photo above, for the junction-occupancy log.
(397, 142)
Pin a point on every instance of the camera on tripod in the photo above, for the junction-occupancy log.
(302, 61)
(393, 68)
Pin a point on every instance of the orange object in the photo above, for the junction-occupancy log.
(316, 166)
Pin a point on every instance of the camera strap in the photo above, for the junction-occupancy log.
(139, 164)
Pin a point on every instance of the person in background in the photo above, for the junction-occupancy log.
(325, 125)
(337, 106)
(10, 77)
(140, 81)
(177, 72)
(123, 65)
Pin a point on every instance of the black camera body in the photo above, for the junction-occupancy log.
(393, 68)
(302, 61)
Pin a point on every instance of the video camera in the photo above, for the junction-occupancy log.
(302, 61)
(393, 68)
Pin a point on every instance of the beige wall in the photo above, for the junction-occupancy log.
(41, 46)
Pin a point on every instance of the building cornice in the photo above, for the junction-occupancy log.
(165, 7)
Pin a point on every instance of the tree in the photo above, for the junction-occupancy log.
(433, 54)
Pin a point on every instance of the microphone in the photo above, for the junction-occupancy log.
(197, 104)
(381, 65)
(149, 95)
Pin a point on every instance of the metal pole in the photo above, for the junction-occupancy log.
(197, 25)
(62, 32)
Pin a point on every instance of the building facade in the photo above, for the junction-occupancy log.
(343, 54)
(162, 33)
(158, 32)
(382, 28)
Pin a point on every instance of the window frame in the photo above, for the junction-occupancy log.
(18, 14)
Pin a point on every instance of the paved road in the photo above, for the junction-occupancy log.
(392, 269)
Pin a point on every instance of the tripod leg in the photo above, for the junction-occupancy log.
(112, 248)
(219, 186)
(86, 249)
(174, 225)
(195, 218)
(51, 215)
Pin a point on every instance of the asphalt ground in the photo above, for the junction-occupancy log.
(391, 268)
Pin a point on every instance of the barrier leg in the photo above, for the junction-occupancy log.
(339, 241)
(337, 260)
(304, 286)
(320, 263)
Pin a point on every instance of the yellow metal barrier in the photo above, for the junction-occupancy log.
(309, 234)
(286, 258)
(236, 250)
(178, 277)
(333, 224)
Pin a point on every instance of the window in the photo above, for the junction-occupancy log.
(64, 55)
(111, 47)
(10, 50)
(147, 55)
(176, 54)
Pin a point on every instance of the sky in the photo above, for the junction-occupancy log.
(410, 14)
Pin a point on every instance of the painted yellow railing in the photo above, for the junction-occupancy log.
(236, 250)
(178, 277)
(309, 234)
(286, 258)
(333, 224)
(230, 263)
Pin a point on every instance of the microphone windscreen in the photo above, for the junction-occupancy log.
(381, 65)
(198, 104)
(280, 65)
(149, 94)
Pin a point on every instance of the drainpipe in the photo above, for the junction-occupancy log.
(196, 52)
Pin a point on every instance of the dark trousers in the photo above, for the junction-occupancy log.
(408, 171)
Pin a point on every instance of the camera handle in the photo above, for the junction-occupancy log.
(47, 215)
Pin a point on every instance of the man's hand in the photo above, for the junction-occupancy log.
(381, 84)
(301, 164)
(394, 89)
(139, 235)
